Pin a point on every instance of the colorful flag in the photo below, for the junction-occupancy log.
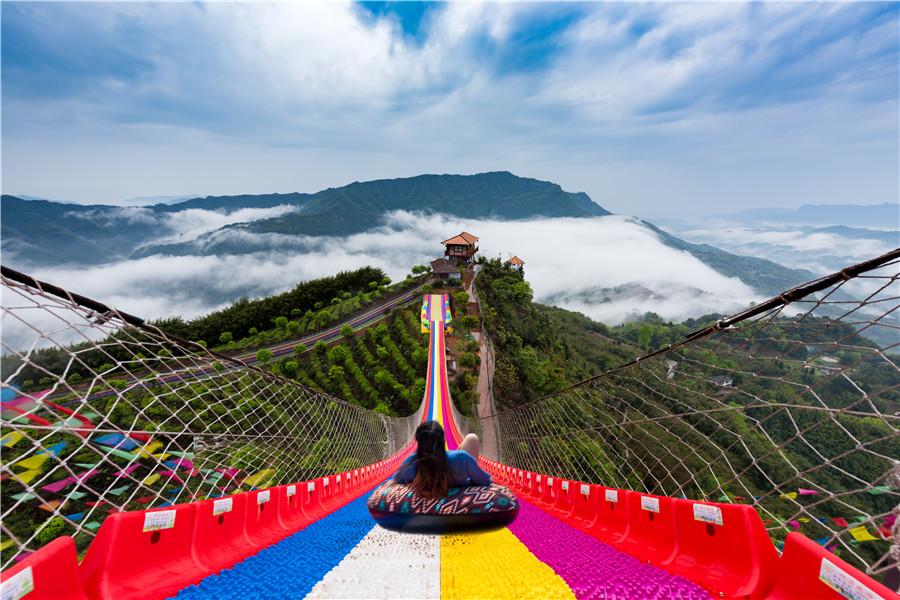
(861, 534)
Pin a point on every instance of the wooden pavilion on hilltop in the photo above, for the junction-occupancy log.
(516, 262)
(461, 249)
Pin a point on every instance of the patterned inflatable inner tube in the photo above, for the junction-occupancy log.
(397, 507)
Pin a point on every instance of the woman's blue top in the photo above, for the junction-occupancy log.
(464, 470)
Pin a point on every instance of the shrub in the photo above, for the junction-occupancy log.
(338, 354)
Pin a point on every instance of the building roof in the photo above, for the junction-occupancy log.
(516, 261)
(442, 265)
(463, 239)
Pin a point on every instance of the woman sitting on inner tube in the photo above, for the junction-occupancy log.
(437, 491)
(433, 470)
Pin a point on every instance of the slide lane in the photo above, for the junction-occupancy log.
(344, 555)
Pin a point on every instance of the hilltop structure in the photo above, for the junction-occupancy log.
(461, 249)
(445, 270)
(516, 262)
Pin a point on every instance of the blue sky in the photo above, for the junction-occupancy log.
(651, 109)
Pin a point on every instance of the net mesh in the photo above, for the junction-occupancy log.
(791, 406)
(102, 413)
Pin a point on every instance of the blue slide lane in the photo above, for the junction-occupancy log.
(290, 568)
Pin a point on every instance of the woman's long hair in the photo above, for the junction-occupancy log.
(432, 471)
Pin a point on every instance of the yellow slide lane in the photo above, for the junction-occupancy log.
(495, 565)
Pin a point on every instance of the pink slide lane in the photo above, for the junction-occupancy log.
(593, 569)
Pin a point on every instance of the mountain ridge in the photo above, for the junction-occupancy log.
(50, 233)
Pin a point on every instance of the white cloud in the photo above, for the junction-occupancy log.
(563, 258)
(792, 246)
(130, 215)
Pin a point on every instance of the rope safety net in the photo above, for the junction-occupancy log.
(791, 406)
(102, 412)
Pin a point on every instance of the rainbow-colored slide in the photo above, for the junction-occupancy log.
(345, 555)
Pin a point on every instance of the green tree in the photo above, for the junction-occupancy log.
(320, 347)
(336, 372)
(338, 354)
(264, 355)
(467, 359)
(226, 337)
(347, 331)
(460, 300)
(51, 529)
(300, 349)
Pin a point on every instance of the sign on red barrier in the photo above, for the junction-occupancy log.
(51, 573)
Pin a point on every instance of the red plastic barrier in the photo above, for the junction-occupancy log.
(565, 500)
(290, 511)
(218, 539)
(586, 504)
(339, 482)
(310, 500)
(724, 548)
(51, 573)
(549, 491)
(652, 532)
(807, 570)
(611, 524)
(326, 495)
(142, 555)
(535, 492)
(261, 525)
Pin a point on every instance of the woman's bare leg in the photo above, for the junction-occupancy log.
(472, 445)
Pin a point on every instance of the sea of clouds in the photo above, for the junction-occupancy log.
(567, 261)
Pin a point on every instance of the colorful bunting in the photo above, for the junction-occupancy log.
(6, 544)
(256, 478)
(23, 497)
(25, 477)
(127, 470)
(148, 450)
(840, 522)
(229, 472)
(805, 492)
(861, 534)
(788, 496)
(58, 486)
(116, 440)
(93, 525)
(794, 524)
(32, 462)
(11, 439)
(172, 475)
(881, 489)
(50, 506)
(75, 516)
(118, 491)
(150, 479)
